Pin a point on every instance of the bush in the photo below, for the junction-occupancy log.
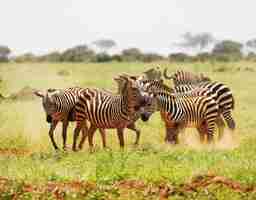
(251, 57)
(117, 58)
(27, 57)
(151, 57)
(179, 57)
(222, 58)
(79, 53)
(51, 57)
(203, 57)
(131, 55)
(103, 57)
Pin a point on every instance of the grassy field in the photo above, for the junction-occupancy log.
(30, 169)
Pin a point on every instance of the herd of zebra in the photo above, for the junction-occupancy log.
(193, 101)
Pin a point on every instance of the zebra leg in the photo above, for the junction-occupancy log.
(51, 132)
(103, 136)
(120, 133)
(229, 119)
(76, 134)
(202, 132)
(90, 135)
(64, 133)
(171, 135)
(210, 131)
(132, 126)
(220, 123)
(84, 136)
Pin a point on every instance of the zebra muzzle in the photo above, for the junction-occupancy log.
(145, 116)
(49, 118)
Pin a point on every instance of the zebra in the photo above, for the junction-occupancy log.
(159, 86)
(179, 112)
(107, 111)
(153, 74)
(59, 105)
(221, 93)
(181, 77)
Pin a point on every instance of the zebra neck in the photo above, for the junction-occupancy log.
(165, 103)
(127, 111)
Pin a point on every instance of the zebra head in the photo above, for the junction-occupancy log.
(137, 98)
(48, 102)
(153, 73)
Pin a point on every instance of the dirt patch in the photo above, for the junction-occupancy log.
(20, 190)
(203, 181)
(26, 93)
(16, 152)
(82, 189)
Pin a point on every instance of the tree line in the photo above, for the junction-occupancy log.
(204, 44)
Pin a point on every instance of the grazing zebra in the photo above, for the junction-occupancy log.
(181, 77)
(221, 93)
(109, 110)
(59, 106)
(179, 112)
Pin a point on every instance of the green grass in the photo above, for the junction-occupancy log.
(23, 126)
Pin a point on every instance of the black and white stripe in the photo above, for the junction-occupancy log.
(106, 110)
(180, 112)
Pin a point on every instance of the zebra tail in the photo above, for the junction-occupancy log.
(231, 124)
(233, 103)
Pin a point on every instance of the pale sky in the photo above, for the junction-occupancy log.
(152, 25)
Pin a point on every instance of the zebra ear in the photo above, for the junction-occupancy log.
(51, 90)
(135, 78)
(39, 94)
(149, 71)
(166, 75)
(124, 77)
(117, 79)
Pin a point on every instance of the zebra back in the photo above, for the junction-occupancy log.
(181, 77)
(189, 110)
(60, 102)
(106, 110)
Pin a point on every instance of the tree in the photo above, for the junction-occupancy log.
(104, 44)
(54, 56)
(251, 44)
(80, 53)
(227, 47)
(228, 50)
(132, 54)
(152, 57)
(200, 40)
(4, 53)
(179, 57)
(27, 57)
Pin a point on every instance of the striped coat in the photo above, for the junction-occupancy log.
(109, 110)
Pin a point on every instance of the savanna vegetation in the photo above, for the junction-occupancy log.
(31, 169)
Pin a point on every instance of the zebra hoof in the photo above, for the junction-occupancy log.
(74, 149)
